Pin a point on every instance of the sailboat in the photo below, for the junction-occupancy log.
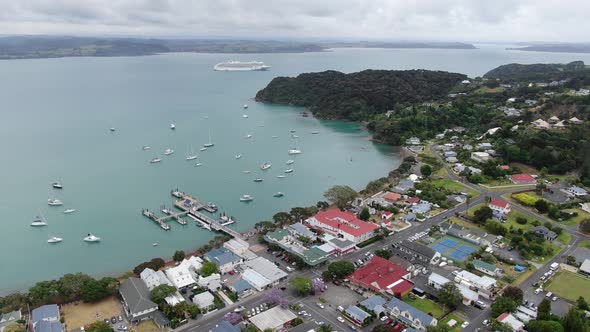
(91, 238)
(191, 155)
(238, 156)
(295, 150)
(245, 116)
(280, 176)
(290, 161)
(210, 144)
(290, 170)
(168, 152)
(245, 106)
(203, 149)
(39, 222)
(57, 185)
(54, 202)
(265, 166)
(67, 211)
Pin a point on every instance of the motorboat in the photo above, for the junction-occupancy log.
(290, 170)
(265, 166)
(67, 211)
(54, 202)
(281, 176)
(245, 116)
(39, 222)
(295, 151)
(203, 149)
(146, 147)
(172, 126)
(258, 180)
(246, 198)
(91, 238)
(293, 130)
(155, 160)
(238, 156)
(278, 194)
(212, 206)
(315, 132)
(191, 157)
(290, 161)
(275, 136)
(112, 129)
(245, 106)
(57, 185)
(246, 172)
(54, 239)
(168, 152)
(198, 164)
(294, 136)
(155, 244)
(248, 136)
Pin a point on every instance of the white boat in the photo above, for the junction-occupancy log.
(290, 170)
(155, 160)
(258, 180)
(172, 126)
(155, 244)
(246, 172)
(54, 202)
(248, 136)
(146, 147)
(278, 194)
(245, 106)
(240, 66)
(210, 144)
(57, 185)
(39, 222)
(66, 211)
(245, 116)
(295, 151)
(281, 176)
(290, 161)
(198, 164)
(54, 239)
(91, 238)
(191, 155)
(238, 156)
(265, 166)
(203, 149)
(112, 129)
(294, 136)
(246, 198)
(168, 152)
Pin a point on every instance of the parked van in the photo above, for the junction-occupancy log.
(549, 294)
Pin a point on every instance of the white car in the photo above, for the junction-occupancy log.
(320, 305)
(465, 324)
(340, 319)
(384, 318)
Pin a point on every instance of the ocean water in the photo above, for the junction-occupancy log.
(55, 116)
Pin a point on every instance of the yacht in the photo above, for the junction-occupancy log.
(279, 194)
(203, 149)
(198, 164)
(54, 202)
(191, 155)
(265, 166)
(155, 160)
(54, 239)
(245, 116)
(238, 156)
(91, 238)
(57, 185)
(240, 66)
(246, 198)
(295, 151)
(290, 170)
(39, 222)
(281, 176)
(112, 129)
(168, 152)
(210, 144)
(66, 211)
(290, 161)
(258, 180)
(248, 136)
(172, 126)
(245, 106)
(146, 147)
(246, 172)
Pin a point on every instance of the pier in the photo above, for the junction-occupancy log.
(149, 214)
(176, 216)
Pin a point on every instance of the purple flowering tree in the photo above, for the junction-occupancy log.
(317, 285)
(276, 297)
(233, 318)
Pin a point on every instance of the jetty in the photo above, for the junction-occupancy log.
(176, 216)
(150, 215)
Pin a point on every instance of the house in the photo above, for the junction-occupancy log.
(340, 245)
(237, 246)
(451, 159)
(480, 157)
(436, 281)
(504, 167)
(513, 322)
(499, 206)
(403, 186)
(416, 253)
(413, 141)
(522, 179)
(381, 275)
(575, 121)
(375, 303)
(153, 279)
(343, 224)
(212, 282)
(412, 200)
(531, 102)
(469, 296)
(290, 240)
(485, 146)
(544, 232)
(46, 319)
(136, 300)
(225, 259)
(421, 208)
(540, 124)
(386, 215)
(299, 229)
(410, 217)
(585, 207)
(205, 301)
(274, 319)
(9, 318)
(262, 273)
(487, 268)
(409, 315)
(225, 326)
(357, 314)
(242, 288)
(585, 268)
(512, 112)
(450, 154)
(180, 276)
(471, 280)
(553, 120)
(511, 100)
(391, 197)
(576, 191)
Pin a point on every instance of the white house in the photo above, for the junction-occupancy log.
(499, 206)
(344, 225)
(480, 157)
(576, 191)
(204, 300)
(180, 276)
(153, 278)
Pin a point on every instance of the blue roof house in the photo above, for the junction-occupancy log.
(375, 303)
(410, 315)
(242, 287)
(357, 314)
(225, 259)
(46, 319)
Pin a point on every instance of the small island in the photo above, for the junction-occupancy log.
(558, 48)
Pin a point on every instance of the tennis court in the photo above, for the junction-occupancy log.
(453, 248)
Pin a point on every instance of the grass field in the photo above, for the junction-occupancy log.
(485, 89)
(455, 328)
(430, 307)
(570, 286)
(513, 215)
(147, 326)
(577, 219)
(564, 238)
(584, 244)
(453, 186)
(77, 315)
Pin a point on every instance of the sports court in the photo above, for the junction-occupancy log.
(453, 248)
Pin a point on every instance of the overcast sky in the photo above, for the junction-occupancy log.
(444, 20)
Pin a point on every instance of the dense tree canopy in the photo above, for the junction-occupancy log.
(341, 195)
(450, 295)
(341, 269)
(208, 269)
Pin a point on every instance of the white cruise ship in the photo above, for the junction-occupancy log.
(240, 66)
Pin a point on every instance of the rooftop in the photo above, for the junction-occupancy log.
(522, 178)
(425, 319)
(136, 295)
(345, 221)
(379, 274)
(272, 318)
(222, 256)
(499, 203)
(484, 265)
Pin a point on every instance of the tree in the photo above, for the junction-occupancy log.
(482, 214)
(544, 310)
(275, 296)
(340, 195)
(544, 326)
(542, 205)
(365, 215)
(585, 226)
(503, 304)
(301, 284)
(44, 292)
(322, 205)
(297, 321)
(341, 269)
(574, 321)
(514, 293)
(581, 303)
(15, 327)
(93, 290)
(282, 218)
(155, 264)
(70, 285)
(325, 328)
(450, 295)
(249, 328)
(99, 326)
(233, 318)
(438, 328)
(317, 285)
(178, 256)
(426, 170)
(383, 253)
(208, 269)
(159, 293)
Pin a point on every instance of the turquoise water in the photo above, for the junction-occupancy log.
(55, 116)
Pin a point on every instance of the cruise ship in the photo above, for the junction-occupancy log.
(240, 66)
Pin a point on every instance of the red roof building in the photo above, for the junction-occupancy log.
(523, 179)
(499, 206)
(504, 167)
(382, 275)
(392, 197)
(412, 200)
(343, 224)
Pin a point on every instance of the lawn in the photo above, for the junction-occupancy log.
(430, 307)
(584, 244)
(147, 326)
(564, 238)
(569, 285)
(513, 215)
(80, 314)
(455, 328)
(575, 220)
(485, 89)
(453, 186)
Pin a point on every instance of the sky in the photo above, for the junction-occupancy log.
(432, 20)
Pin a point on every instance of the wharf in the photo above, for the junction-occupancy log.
(149, 214)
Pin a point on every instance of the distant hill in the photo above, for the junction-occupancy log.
(335, 95)
(538, 71)
(365, 44)
(563, 48)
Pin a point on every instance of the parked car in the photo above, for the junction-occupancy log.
(486, 322)
(537, 291)
(479, 305)
(337, 282)
(384, 318)
(554, 298)
(113, 320)
(319, 304)
(465, 324)
(340, 319)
